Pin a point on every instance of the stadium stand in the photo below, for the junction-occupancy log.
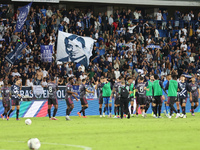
(128, 43)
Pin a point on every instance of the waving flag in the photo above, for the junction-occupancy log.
(74, 48)
(22, 17)
(153, 46)
(13, 56)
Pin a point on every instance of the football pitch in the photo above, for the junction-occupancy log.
(95, 133)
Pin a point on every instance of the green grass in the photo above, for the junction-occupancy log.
(103, 133)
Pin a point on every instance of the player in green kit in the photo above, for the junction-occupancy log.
(149, 92)
(157, 93)
(172, 87)
(106, 93)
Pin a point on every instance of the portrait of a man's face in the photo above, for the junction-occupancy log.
(74, 46)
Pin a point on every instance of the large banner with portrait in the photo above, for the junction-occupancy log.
(42, 93)
(74, 48)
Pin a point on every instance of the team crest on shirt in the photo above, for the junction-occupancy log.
(194, 88)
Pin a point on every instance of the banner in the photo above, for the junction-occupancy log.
(13, 56)
(22, 17)
(43, 1)
(153, 46)
(42, 93)
(46, 51)
(74, 48)
(39, 108)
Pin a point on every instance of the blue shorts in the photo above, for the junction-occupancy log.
(107, 100)
(166, 99)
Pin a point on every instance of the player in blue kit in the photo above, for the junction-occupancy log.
(167, 109)
(15, 98)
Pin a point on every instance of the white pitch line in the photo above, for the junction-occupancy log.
(70, 145)
(79, 146)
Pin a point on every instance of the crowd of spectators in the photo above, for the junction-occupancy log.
(123, 36)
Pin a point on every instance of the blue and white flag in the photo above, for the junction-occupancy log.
(13, 56)
(46, 51)
(22, 17)
(74, 48)
(153, 46)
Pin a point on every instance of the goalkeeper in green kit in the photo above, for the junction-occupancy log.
(157, 94)
(172, 87)
(107, 98)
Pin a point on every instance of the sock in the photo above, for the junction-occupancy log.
(104, 109)
(83, 109)
(131, 109)
(167, 109)
(118, 110)
(178, 110)
(67, 112)
(10, 112)
(17, 113)
(172, 109)
(115, 110)
(4, 114)
(183, 110)
(107, 110)
(155, 110)
(110, 108)
(49, 112)
(122, 112)
(100, 111)
(83, 112)
(192, 109)
(159, 110)
(195, 106)
(141, 108)
(70, 110)
(171, 112)
(147, 107)
(54, 112)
